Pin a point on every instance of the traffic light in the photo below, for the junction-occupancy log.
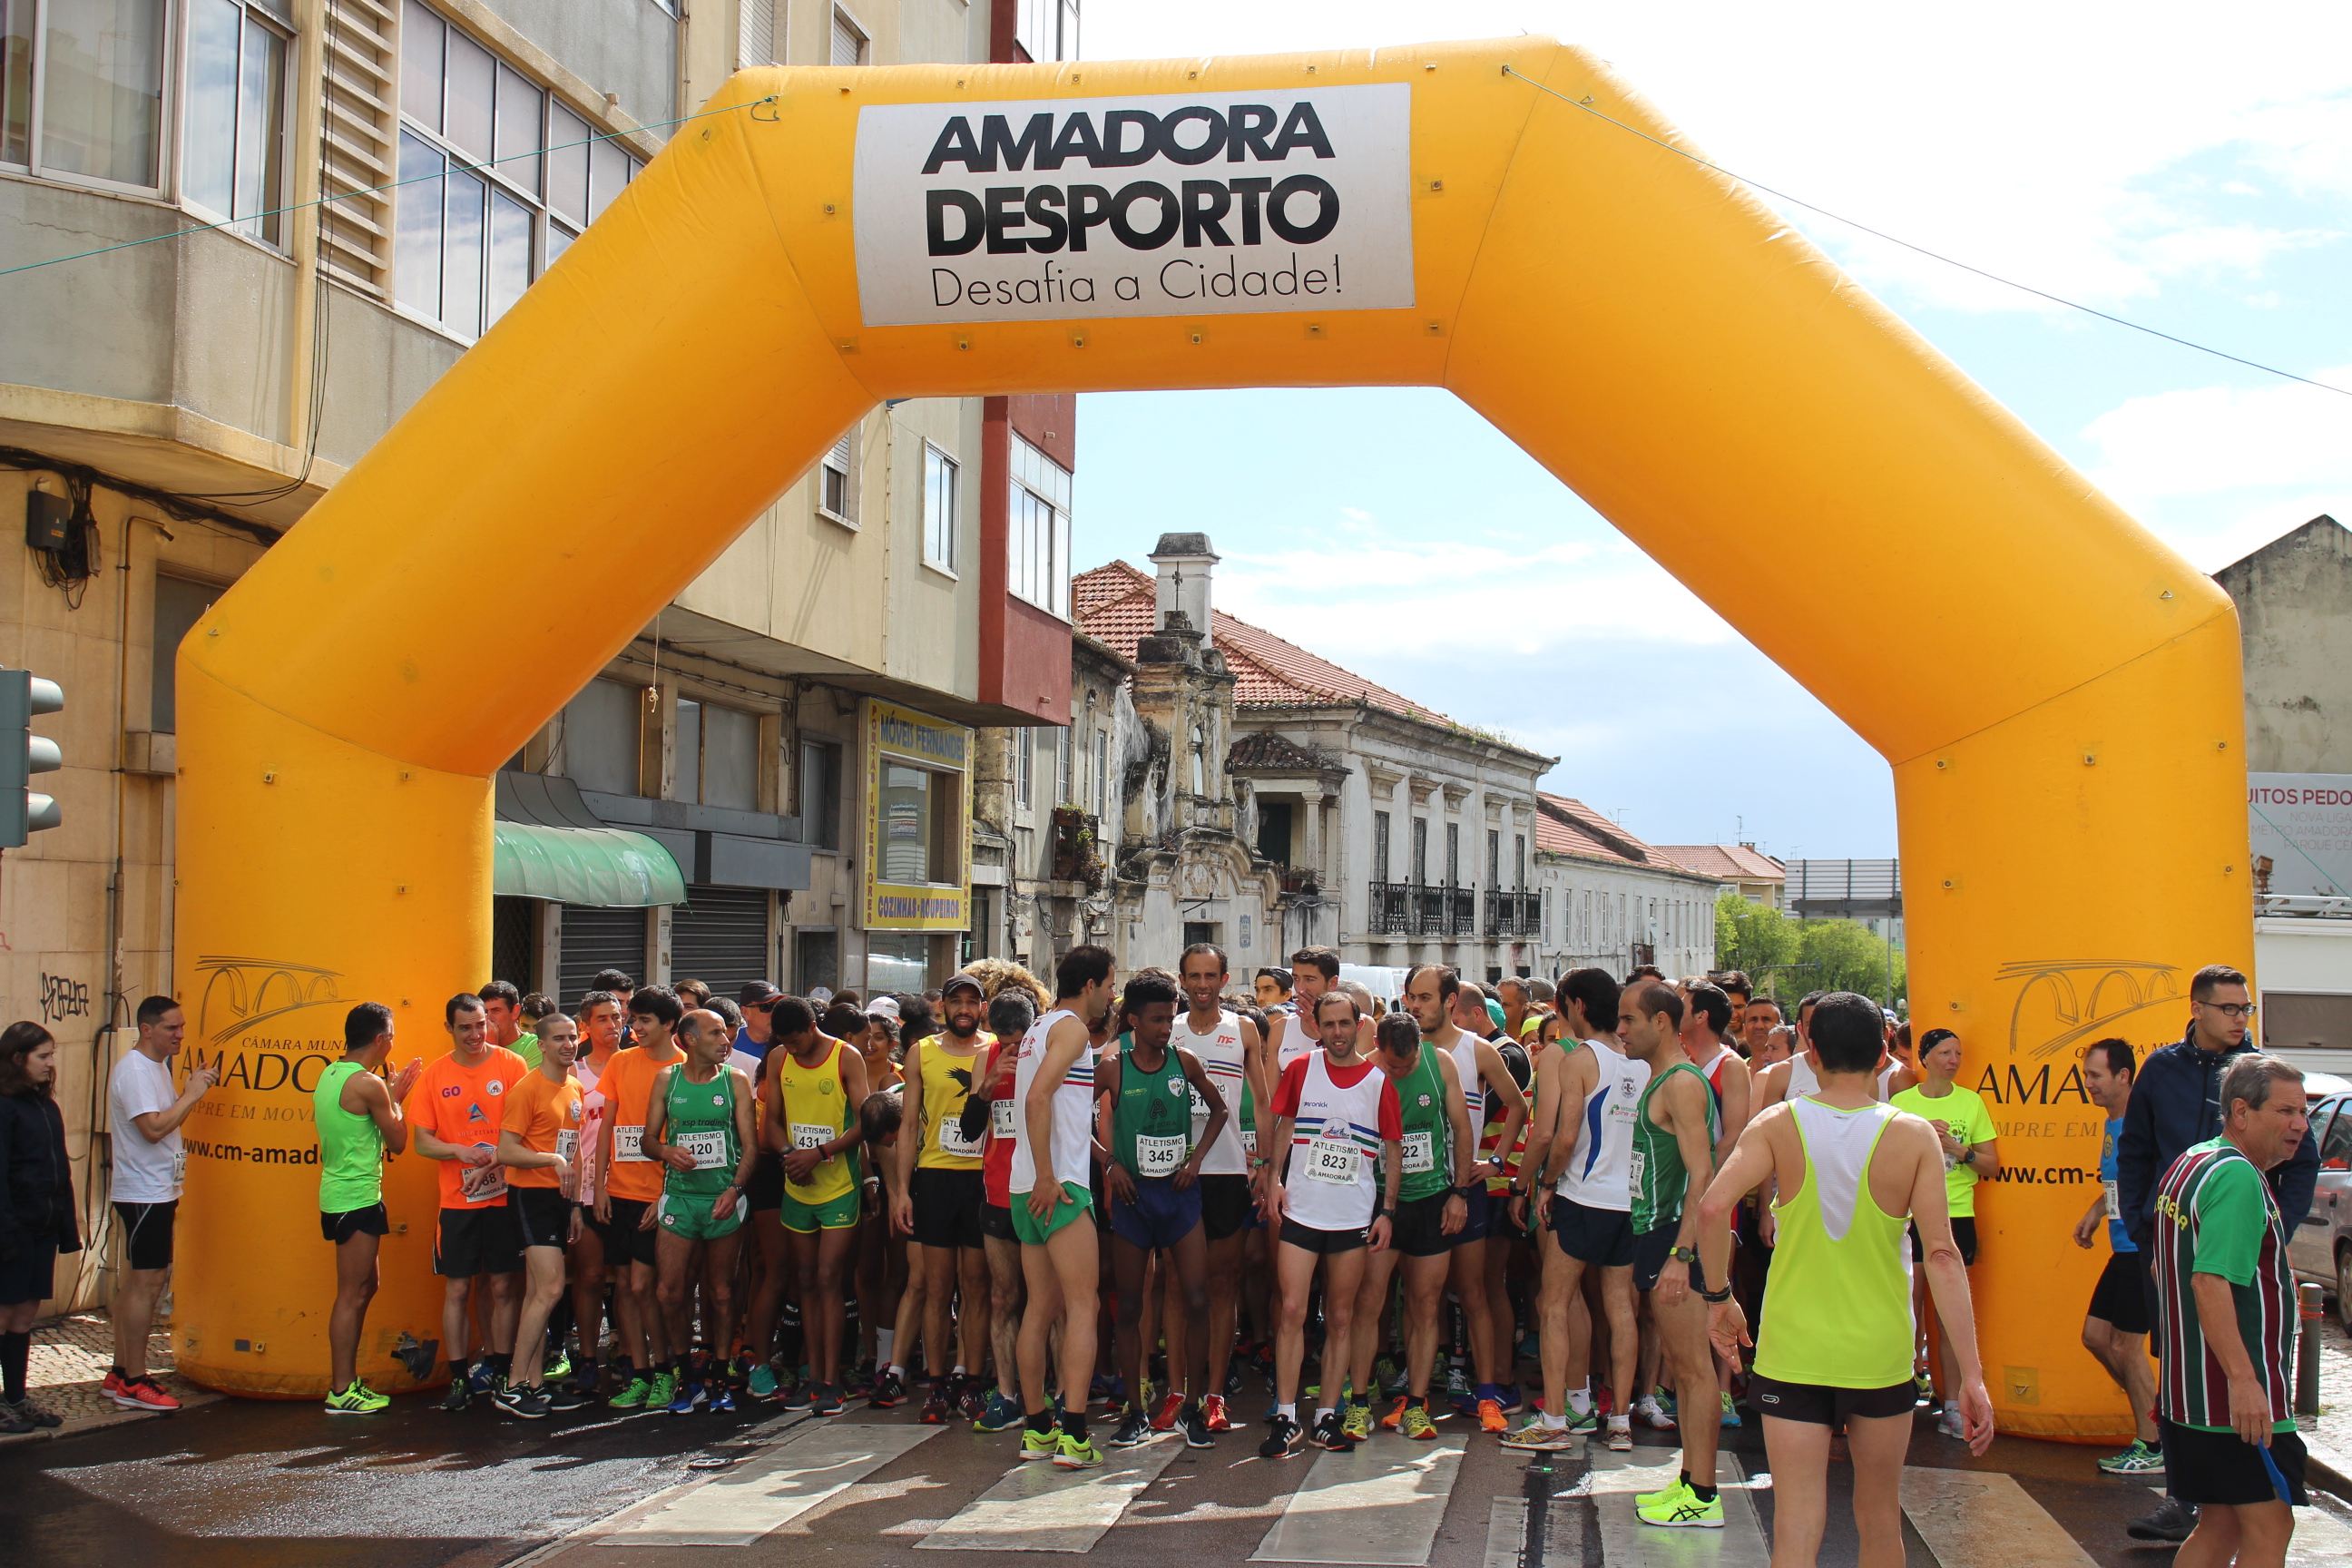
(23, 812)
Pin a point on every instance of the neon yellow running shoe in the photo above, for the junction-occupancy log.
(1040, 1444)
(1678, 1507)
(633, 1397)
(1357, 1422)
(358, 1399)
(664, 1390)
(1417, 1424)
(1070, 1454)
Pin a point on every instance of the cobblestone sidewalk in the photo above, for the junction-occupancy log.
(70, 1356)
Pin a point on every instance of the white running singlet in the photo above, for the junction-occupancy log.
(1474, 1087)
(1601, 1166)
(1333, 1182)
(1072, 1102)
(1219, 1051)
(1297, 1039)
(1803, 1080)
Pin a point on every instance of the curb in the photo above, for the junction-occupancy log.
(2325, 1467)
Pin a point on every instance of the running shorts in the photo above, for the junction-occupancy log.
(1418, 1227)
(1323, 1242)
(947, 1206)
(1077, 1202)
(31, 1275)
(765, 1192)
(147, 1234)
(468, 1242)
(341, 1228)
(687, 1216)
(625, 1240)
(1225, 1205)
(1964, 1235)
(1602, 1239)
(833, 1214)
(2118, 1298)
(996, 1222)
(1818, 1405)
(2222, 1468)
(1482, 1217)
(1161, 1215)
(1650, 1252)
(544, 1215)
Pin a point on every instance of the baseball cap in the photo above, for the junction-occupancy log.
(755, 992)
(882, 1007)
(961, 978)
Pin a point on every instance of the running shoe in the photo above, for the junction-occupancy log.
(1234, 1374)
(482, 1377)
(1417, 1424)
(1393, 1417)
(1196, 1428)
(689, 1394)
(359, 1399)
(1507, 1395)
(1951, 1425)
(142, 1394)
(1621, 1434)
(1171, 1410)
(722, 1398)
(632, 1397)
(1133, 1429)
(15, 1425)
(935, 1405)
(562, 1396)
(1278, 1441)
(1389, 1375)
(799, 1395)
(1070, 1454)
(1330, 1434)
(2139, 1459)
(996, 1413)
(1730, 1409)
(1586, 1420)
(762, 1385)
(964, 1397)
(1357, 1423)
(1457, 1391)
(1679, 1508)
(1653, 1415)
(1107, 1390)
(663, 1392)
(1534, 1436)
(557, 1368)
(889, 1392)
(1491, 1417)
(1213, 1412)
(522, 1399)
(2172, 1521)
(1035, 1445)
(828, 1400)
(459, 1396)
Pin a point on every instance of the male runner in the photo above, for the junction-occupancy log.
(1836, 1344)
(1232, 1051)
(814, 1089)
(1272, 988)
(2116, 1328)
(1578, 1171)
(502, 1004)
(1757, 1022)
(144, 1113)
(1439, 1157)
(1430, 993)
(700, 1125)
(1675, 1130)
(1313, 972)
(630, 1184)
(756, 1001)
(1151, 1171)
(461, 1106)
(1518, 1005)
(940, 1195)
(1332, 1112)
(993, 1113)
(600, 1025)
(539, 1145)
(1708, 1012)
(358, 1117)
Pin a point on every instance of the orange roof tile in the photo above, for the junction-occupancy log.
(1732, 862)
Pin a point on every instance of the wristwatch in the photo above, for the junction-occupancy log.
(1684, 1254)
(1466, 1193)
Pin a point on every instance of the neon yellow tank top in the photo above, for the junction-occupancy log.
(816, 1111)
(947, 1083)
(1837, 1305)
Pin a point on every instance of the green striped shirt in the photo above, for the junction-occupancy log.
(2214, 1215)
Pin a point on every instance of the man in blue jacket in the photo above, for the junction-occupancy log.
(2176, 1102)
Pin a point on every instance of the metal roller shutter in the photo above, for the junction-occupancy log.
(513, 948)
(596, 938)
(719, 936)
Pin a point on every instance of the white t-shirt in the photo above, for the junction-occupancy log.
(144, 1173)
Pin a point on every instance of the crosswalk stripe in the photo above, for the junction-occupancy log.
(739, 1506)
(1612, 1484)
(1039, 1507)
(1507, 1536)
(1379, 1504)
(1983, 1519)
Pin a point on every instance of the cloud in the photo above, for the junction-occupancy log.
(2211, 439)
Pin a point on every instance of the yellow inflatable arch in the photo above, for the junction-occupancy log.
(2057, 691)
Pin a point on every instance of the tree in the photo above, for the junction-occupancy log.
(1752, 936)
(1787, 958)
(1844, 956)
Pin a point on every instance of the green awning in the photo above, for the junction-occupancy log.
(604, 866)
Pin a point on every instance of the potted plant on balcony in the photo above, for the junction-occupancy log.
(1076, 855)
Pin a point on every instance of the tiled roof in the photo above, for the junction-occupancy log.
(1732, 862)
(1266, 749)
(1567, 826)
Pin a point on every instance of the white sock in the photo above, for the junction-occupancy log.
(1288, 1412)
(882, 1338)
(1554, 1423)
(1619, 1422)
(1581, 1400)
(959, 1371)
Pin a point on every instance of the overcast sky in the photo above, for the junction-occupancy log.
(2186, 167)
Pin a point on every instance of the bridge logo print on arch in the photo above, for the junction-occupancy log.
(1215, 204)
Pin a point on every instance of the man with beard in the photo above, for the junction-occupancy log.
(938, 1200)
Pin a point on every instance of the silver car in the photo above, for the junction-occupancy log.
(2320, 1248)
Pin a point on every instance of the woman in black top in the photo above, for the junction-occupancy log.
(36, 1208)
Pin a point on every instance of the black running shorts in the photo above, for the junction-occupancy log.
(1599, 1238)
(624, 1241)
(2120, 1298)
(340, 1228)
(1418, 1227)
(1323, 1242)
(468, 1242)
(147, 1234)
(2224, 1469)
(1225, 1205)
(946, 1207)
(544, 1214)
(1818, 1405)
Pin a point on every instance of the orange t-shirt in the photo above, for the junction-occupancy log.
(467, 1106)
(546, 1116)
(627, 1086)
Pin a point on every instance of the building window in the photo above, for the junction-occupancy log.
(1048, 29)
(939, 508)
(1519, 862)
(1025, 767)
(179, 606)
(87, 102)
(1064, 760)
(496, 180)
(848, 39)
(1494, 858)
(836, 495)
(599, 741)
(1380, 847)
(1102, 774)
(718, 757)
(821, 794)
(1452, 854)
(1038, 523)
(233, 156)
(918, 811)
(755, 37)
(1419, 850)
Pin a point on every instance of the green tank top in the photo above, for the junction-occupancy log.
(1837, 1305)
(1428, 1131)
(702, 1122)
(1151, 1121)
(1658, 1177)
(351, 1147)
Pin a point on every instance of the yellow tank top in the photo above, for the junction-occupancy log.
(816, 1111)
(947, 1083)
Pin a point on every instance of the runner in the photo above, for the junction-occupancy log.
(700, 1125)
(1440, 1159)
(474, 1241)
(1964, 1129)
(1708, 1010)
(1234, 1054)
(1675, 1130)
(358, 1118)
(144, 1113)
(2226, 1294)
(630, 1184)
(599, 1041)
(1151, 1169)
(1272, 988)
(1313, 972)
(502, 1004)
(538, 1145)
(1836, 1345)
(940, 1195)
(2116, 1328)
(1757, 1022)
(814, 1086)
(990, 1112)
(1332, 1112)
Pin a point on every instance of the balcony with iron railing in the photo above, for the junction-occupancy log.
(1512, 914)
(1391, 912)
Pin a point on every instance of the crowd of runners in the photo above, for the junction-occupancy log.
(1019, 1202)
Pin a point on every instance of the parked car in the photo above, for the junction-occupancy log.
(2320, 1248)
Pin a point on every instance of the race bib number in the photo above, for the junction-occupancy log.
(808, 1136)
(1636, 1164)
(1000, 1119)
(709, 1148)
(1420, 1152)
(629, 1144)
(954, 1141)
(1249, 1142)
(567, 1143)
(480, 1183)
(2114, 1204)
(180, 1172)
(1333, 1159)
(1200, 1106)
(1158, 1156)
